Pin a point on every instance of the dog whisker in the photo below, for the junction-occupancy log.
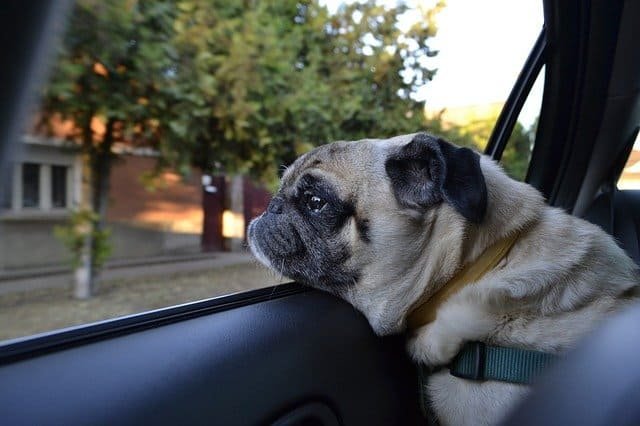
(281, 269)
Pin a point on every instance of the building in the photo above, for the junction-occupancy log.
(43, 184)
(149, 214)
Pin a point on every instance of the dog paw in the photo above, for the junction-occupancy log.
(432, 348)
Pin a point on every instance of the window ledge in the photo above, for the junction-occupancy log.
(33, 214)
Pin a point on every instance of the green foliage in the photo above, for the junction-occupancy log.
(115, 56)
(516, 156)
(257, 83)
(113, 60)
(245, 86)
(238, 86)
(74, 234)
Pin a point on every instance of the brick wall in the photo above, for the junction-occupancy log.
(168, 202)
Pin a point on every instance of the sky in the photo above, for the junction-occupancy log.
(482, 47)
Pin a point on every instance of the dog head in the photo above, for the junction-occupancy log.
(358, 219)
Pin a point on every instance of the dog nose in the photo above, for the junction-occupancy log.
(275, 205)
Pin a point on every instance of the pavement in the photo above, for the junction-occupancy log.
(60, 276)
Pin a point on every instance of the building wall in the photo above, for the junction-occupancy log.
(153, 214)
(26, 233)
(30, 243)
(148, 214)
(256, 200)
(164, 220)
(167, 202)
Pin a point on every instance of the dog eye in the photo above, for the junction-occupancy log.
(314, 203)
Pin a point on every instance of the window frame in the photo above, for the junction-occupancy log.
(508, 117)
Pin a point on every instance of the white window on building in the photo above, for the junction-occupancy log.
(30, 185)
(35, 187)
(6, 190)
(59, 187)
(43, 181)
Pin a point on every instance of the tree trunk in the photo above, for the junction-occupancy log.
(83, 273)
(83, 285)
(100, 188)
(96, 173)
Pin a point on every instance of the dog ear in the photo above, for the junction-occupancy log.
(428, 170)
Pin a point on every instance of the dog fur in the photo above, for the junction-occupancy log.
(387, 253)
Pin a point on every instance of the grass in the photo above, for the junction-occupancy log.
(23, 314)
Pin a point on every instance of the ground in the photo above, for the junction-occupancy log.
(40, 310)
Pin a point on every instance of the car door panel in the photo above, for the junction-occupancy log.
(247, 365)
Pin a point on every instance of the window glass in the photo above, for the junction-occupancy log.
(630, 177)
(517, 154)
(476, 74)
(164, 125)
(59, 186)
(6, 191)
(30, 185)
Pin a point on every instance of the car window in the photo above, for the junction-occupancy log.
(163, 126)
(475, 74)
(517, 154)
(630, 177)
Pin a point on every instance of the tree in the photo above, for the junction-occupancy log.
(517, 153)
(240, 86)
(476, 133)
(114, 58)
(262, 81)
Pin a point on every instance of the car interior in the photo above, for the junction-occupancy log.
(289, 355)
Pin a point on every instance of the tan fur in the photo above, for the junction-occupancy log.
(561, 278)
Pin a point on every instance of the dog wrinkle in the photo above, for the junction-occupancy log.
(362, 225)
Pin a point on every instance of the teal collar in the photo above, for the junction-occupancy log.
(478, 361)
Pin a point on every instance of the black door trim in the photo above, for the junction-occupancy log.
(27, 347)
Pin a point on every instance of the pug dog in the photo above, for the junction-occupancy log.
(386, 224)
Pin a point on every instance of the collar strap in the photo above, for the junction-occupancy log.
(470, 273)
(478, 361)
